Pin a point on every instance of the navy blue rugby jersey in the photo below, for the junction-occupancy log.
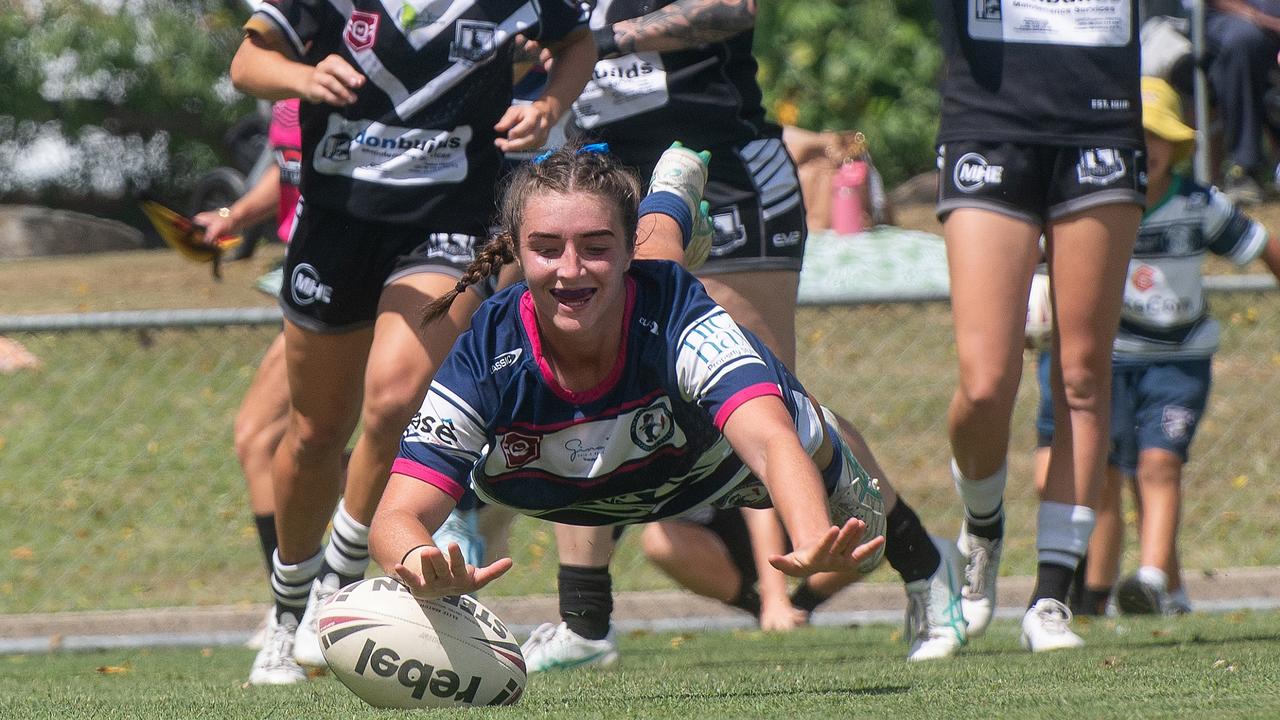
(643, 445)
(707, 96)
(419, 137)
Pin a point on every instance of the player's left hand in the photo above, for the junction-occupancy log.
(430, 573)
(526, 126)
(838, 550)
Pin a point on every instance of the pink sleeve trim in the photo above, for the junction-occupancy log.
(435, 478)
(743, 395)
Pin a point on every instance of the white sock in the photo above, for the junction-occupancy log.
(1062, 533)
(291, 584)
(1153, 577)
(348, 551)
(982, 498)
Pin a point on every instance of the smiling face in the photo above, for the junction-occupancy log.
(574, 253)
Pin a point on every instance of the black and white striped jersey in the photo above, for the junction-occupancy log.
(419, 140)
(707, 96)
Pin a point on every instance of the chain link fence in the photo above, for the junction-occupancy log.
(119, 487)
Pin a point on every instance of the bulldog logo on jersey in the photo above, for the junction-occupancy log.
(1099, 166)
(519, 449)
(473, 41)
(652, 426)
(362, 29)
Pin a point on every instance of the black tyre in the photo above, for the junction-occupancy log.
(221, 187)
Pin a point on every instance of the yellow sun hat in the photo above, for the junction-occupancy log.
(1162, 114)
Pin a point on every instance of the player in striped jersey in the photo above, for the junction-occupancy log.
(406, 109)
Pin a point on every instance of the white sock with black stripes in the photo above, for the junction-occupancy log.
(291, 584)
(348, 551)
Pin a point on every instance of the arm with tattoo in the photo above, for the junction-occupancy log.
(680, 25)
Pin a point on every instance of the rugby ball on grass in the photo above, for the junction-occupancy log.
(396, 651)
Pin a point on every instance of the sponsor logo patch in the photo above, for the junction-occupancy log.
(1144, 278)
(506, 359)
(361, 30)
(652, 426)
(1177, 422)
(519, 449)
(973, 172)
(729, 233)
(1100, 166)
(306, 288)
(473, 41)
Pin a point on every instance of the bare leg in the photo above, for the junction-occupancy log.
(693, 556)
(260, 424)
(1160, 485)
(402, 361)
(1108, 534)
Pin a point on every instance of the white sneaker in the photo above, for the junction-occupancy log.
(1046, 626)
(274, 664)
(462, 527)
(306, 647)
(1179, 603)
(1136, 596)
(982, 567)
(259, 635)
(935, 626)
(556, 647)
(684, 172)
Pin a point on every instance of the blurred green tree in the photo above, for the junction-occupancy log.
(869, 65)
(108, 98)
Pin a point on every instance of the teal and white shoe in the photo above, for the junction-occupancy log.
(935, 625)
(684, 172)
(462, 527)
(556, 647)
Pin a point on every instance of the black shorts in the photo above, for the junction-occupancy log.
(731, 527)
(1037, 183)
(756, 206)
(337, 266)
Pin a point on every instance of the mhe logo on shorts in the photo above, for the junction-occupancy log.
(972, 172)
(506, 359)
(306, 288)
(362, 29)
(473, 41)
(1100, 166)
(519, 449)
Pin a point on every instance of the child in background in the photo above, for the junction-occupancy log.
(1161, 363)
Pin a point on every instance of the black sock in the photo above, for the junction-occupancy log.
(805, 598)
(907, 546)
(586, 600)
(1052, 581)
(1075, 597)
(266, 525)
(747, 598)
(1093, 602)
(990, 526)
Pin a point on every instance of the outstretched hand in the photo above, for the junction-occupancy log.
(838, 550)
(430, 573)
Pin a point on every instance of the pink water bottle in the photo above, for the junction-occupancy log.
(846, 197)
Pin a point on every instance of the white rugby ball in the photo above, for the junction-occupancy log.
(396, 651)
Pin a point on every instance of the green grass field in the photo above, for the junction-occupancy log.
(1211, 666)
